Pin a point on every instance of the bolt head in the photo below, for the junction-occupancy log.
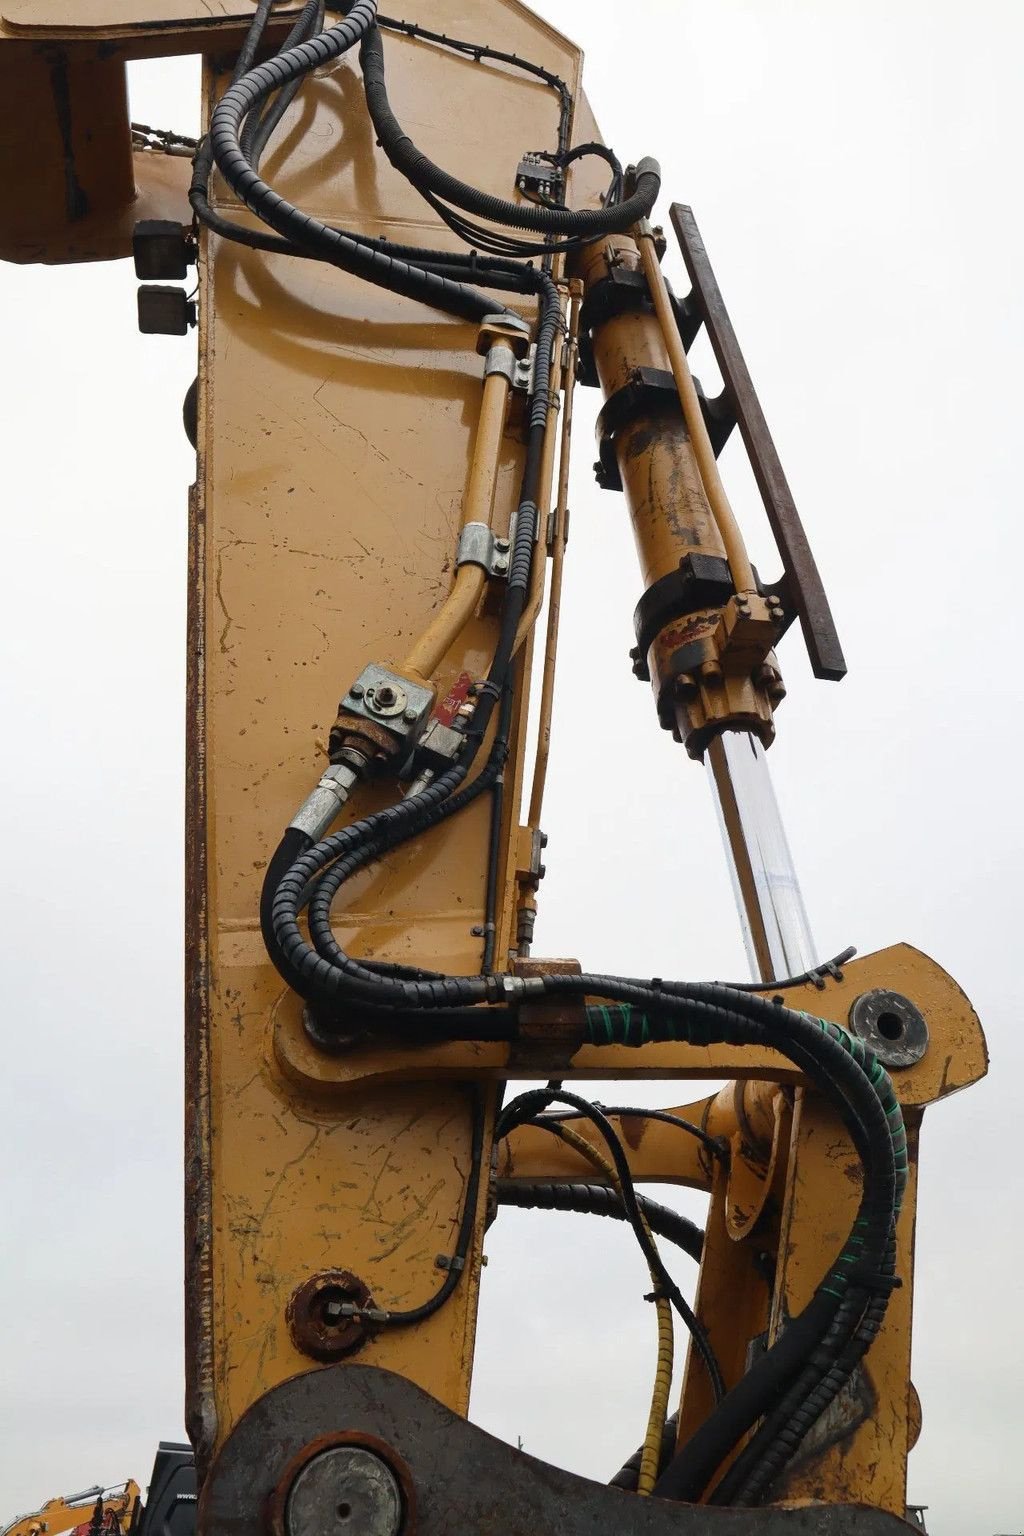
(356, 691)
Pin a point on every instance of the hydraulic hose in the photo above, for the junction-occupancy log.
(427, 177)
(302, 229)
(651, 1454)
(601, 1200)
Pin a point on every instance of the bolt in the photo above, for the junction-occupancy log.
(346, 1487)
(356, 691)
(410, 717)
(385, 695)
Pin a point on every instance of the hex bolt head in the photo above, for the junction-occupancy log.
(347, 1490)
(356, 691)
(385, 695)
(410, 717)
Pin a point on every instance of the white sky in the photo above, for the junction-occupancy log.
(855, 174)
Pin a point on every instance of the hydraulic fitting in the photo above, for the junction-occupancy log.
(319, 809)
(381, 717)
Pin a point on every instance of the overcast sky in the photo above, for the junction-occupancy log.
(855, 172)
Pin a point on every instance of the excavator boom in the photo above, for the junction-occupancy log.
(403, 245)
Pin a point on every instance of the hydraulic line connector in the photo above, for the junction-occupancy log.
(380, 719)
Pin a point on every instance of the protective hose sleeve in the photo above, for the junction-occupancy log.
(628, 1474)
(293, 844)
(687, 1475)
(589, 223)
(301, 228)
(601, 1200)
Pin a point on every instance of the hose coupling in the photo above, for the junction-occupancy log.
(319, 809)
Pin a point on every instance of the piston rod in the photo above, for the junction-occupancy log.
(776, 932)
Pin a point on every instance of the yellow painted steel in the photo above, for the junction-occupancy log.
(345, 436)
(336, 458)
(458, 608)
(661, 478)
(119, 1509)
(718, 500)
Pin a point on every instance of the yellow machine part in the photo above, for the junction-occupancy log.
(113, 1510)
(337, 431)
(337, 427)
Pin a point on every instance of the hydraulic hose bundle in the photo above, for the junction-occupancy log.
(791, 1384)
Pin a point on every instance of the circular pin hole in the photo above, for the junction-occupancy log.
(344, 1510)
(889, 1026)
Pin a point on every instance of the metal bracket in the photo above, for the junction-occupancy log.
(649, 391)
(526, 368)
(803, 583)
(461, 1477)
(478, 546)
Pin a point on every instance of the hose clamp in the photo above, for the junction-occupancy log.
(478, 546)
(500, 359)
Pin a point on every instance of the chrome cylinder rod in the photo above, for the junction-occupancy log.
(775, 927)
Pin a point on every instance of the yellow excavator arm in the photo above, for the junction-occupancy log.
(95, 1512)
(404, 245)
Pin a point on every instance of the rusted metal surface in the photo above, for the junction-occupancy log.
(465, 1480)
(802, 582)
(316, 1322)
(550, 1031)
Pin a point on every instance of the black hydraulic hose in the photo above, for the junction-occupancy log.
(628, 1475)
(688, 1473)
(494, 843)
(480, 51)
(292, 845)
(332, 981)
(258, 129)
(457, 1263)
(588, 223)
(303, 229)
(522, 1110)
(601, 1200)
(719, 1150)
(829, 1368)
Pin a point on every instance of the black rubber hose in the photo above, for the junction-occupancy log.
(687, 1475)
(601, 1200)
(522, 1110)
(292, 845)
(258, 128)
(628, 1475)
(586, 223)
(457, 1262)
(302, 229)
